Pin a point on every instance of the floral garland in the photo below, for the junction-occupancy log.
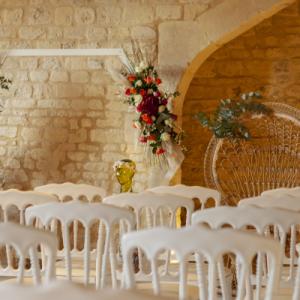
(155, 120)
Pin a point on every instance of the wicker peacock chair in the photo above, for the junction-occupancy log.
(271, 159)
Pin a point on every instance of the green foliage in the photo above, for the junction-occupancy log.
(4, 83)
(226, 120)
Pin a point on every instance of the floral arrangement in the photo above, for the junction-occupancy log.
(155, 120)
(226, 120)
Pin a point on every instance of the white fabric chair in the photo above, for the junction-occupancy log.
(283, 223)
(75, 191)
(207, 244)
(198, 192)
(152, 210)
(63, 290)
(25, 242)
(105, 217)
(283, 191)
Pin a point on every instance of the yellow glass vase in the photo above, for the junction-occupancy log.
(125, 170)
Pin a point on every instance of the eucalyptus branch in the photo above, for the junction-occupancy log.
(227, 120)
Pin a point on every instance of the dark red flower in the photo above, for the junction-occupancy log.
(143, 139)
(151, 137)
(142, 92)
(160, 151)
(164, 101)
(174, 117)
(149, 105)
(127, 92)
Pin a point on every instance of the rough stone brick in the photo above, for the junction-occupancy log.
(59, 76)
(97, 33)
(168, 12)
(95, 104)
(80, 136)
(138, 14)
(40, 76)
(68, 90)
(80, 76)
(85, 15)
(38, 15)
(109, 15)
(29, 134)
(52, 135)
(143, 32)
(77, 33)
(77, 156)
(12, 16)
(28, 63)
(64, 16)
(31, 32)
(9, 132)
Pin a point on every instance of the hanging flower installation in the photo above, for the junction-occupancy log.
(155, 121)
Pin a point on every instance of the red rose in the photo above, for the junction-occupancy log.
(160, 151)
(164, 102)
(158, 81)
(142, 92)
(148, 80)
(127, 92)
(131, 77)
(151, 137)
(147, 119)
(143, 139)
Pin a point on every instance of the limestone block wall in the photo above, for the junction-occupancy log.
(266, 56)
(62, 120)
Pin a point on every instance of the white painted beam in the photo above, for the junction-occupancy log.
(67, 52)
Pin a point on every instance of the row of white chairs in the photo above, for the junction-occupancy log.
(210, 244)
(156, 218)
(74, 215)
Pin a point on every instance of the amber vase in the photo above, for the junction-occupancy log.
(125, 170)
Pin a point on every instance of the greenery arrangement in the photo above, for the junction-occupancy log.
(227, 120)
(4, 83)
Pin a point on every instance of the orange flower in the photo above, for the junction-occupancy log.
(158, 81)
(147, 119)
(132, 91)
(131, 77)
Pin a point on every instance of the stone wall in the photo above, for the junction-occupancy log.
(62, 120)
(267, 56)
